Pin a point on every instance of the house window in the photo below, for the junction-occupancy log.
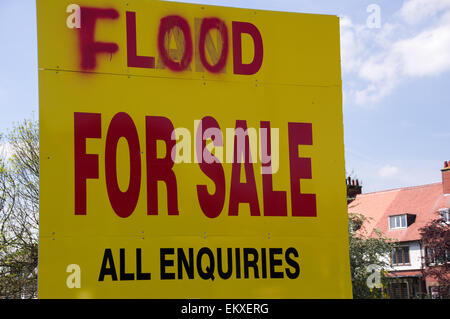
(435, 292)
(445, 214)
(400, 256)
(444, 256)
(399, 290)
(398, 221)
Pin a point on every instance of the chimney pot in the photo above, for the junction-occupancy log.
(445, 164)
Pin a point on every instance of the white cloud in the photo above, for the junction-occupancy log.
(352, 46)
(388, 171)
(416, 11)
(375, 68)
(382, 58)
(426, 54)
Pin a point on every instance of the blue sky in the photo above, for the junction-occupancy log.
(395, 75)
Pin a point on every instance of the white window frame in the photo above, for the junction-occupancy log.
(398, 221)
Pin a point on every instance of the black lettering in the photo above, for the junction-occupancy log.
(182, 262)
(139, 274)
(263, 263)
(251, 263)
(123, 275)
(209, 271)
(166, 263)
(275, 262)
(225, 275)
(291, 262)
(238, 263)
(107, 271)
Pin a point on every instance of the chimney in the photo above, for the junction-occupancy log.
(353, 188)
(446, 177)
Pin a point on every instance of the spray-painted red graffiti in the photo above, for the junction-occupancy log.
(89, 48)
(168, 23)
(207, 25)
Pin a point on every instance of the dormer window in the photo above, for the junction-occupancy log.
(397, 221)
(401, 221)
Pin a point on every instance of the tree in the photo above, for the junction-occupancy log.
(436, 240)
(367, 254)
(19, 212)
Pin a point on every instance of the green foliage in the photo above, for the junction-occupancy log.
(364, 252)
(19, 212)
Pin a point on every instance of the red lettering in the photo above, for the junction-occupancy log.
(255, 65)
(211, 204)
(274, 201)
(86, 125)
(160, 169)
(302, 204)
(88, 46)
(207, 25)
(242, 192)
(167, 24)
(133, 59)
(123, 203)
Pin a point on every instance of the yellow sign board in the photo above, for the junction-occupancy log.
(190, 151)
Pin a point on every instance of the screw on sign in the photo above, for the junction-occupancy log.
(89, 47)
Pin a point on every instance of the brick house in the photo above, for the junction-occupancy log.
(399, 214)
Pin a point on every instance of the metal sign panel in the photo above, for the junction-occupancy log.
(190, 151)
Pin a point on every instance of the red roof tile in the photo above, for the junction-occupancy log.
(422, 201)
